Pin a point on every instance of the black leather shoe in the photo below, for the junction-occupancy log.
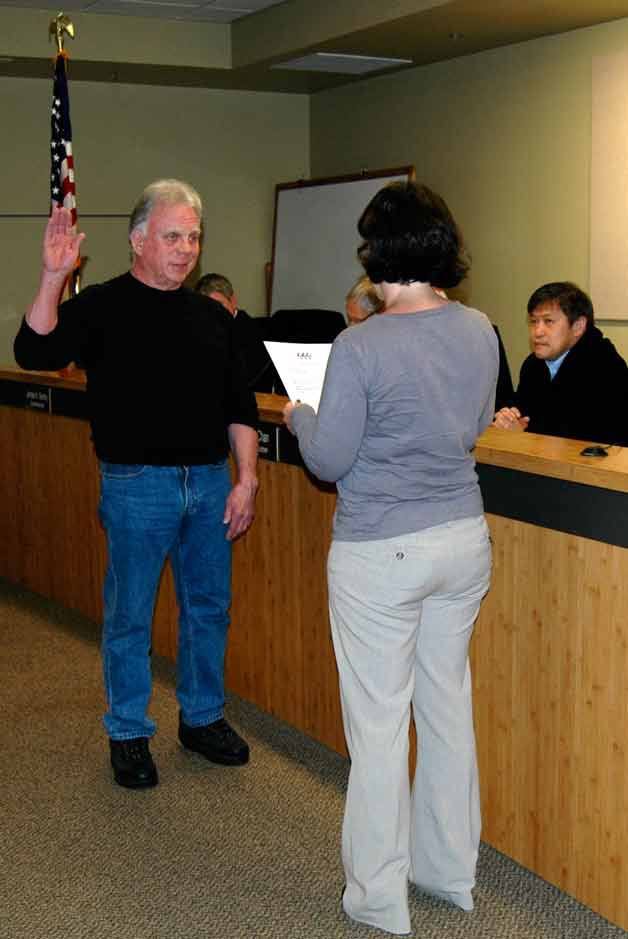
(132, 763)
(217, 742)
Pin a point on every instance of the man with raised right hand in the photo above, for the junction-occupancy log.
(168, 399)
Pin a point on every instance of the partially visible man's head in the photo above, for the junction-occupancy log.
(362, 301)
(219, 288)
(165, 233)
(559, 314)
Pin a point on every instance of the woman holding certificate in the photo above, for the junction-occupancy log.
(406, 394)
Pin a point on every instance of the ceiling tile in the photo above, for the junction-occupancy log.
(342, 64)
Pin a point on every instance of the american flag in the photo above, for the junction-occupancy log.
(62, 187)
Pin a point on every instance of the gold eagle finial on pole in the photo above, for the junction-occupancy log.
(58, 26)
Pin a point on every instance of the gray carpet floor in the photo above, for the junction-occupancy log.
(212, 852)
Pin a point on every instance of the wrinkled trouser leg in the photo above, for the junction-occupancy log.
(201, 564)
(445, 812)
(141, 511)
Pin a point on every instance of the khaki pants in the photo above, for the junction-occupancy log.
(402, 612)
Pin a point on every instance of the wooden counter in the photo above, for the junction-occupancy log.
(550, 653)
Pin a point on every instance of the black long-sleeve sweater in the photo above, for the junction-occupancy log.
(164, 376)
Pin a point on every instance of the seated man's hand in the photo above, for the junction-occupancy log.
(510, 419)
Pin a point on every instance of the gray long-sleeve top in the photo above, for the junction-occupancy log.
(404, 399)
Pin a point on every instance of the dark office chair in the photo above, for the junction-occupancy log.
(305, 325)
(505, 393)
(301, 326)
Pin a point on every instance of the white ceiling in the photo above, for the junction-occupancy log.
(207, 11)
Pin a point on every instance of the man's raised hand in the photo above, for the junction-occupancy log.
(61, 242)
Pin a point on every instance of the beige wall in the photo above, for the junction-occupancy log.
(233, 146)
(505, 137)
(117, 39)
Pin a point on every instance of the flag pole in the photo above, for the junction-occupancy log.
(62, 182)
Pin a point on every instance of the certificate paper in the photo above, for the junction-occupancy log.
(301, 367)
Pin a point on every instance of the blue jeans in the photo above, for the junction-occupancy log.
(150, 513)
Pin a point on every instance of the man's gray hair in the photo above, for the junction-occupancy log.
(215, 283)
(163, 192)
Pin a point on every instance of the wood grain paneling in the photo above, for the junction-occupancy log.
(50, 535)
(280, 652)
(550, 660)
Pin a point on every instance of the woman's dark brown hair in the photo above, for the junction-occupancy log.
(410, 235)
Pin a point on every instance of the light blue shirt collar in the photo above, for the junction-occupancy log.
(555, 364)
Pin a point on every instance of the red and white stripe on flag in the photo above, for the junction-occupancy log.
(62, 185)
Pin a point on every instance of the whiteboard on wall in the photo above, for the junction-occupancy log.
(608, 261)
(315, 238)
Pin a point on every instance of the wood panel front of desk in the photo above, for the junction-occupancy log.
(550, 652)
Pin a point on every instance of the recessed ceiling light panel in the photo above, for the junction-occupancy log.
(341, 64)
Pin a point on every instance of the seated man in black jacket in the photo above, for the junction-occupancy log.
(247, 329)
(575, 383)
